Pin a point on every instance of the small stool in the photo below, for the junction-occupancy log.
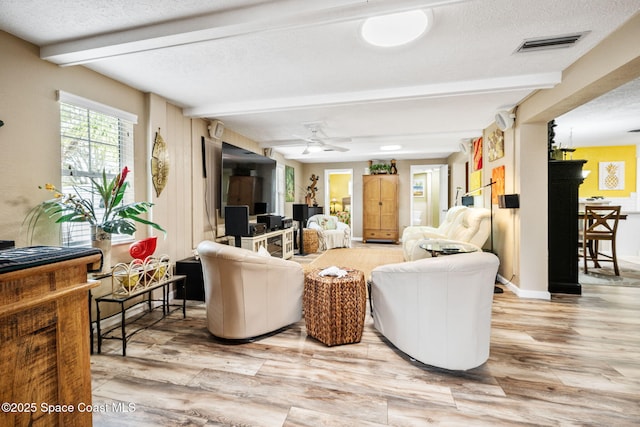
(310, 241)
(334, 307)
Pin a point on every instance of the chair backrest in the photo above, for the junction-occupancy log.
(601, 222)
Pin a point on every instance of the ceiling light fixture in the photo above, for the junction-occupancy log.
(390, 147)
(396, 29)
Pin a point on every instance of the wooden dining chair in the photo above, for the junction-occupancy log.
(600, 223)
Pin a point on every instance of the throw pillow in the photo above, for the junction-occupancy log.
(263, 251)
(328, 223)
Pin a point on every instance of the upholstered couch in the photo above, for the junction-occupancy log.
(331, 232)
(248, 294)
(464, 224)
(437, 310)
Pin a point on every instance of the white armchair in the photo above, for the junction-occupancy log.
(247, 294)
(437, 310)
(331, 232)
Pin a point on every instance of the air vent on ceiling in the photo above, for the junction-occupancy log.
(546, 43)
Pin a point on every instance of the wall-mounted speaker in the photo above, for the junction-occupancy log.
(504, 120)
(216, 128)
(509, 201)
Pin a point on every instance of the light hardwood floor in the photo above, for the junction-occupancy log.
(574, 360)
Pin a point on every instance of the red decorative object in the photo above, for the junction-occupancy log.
(143, 248)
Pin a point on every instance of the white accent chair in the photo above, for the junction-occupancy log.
(248, 294)
(464, 224)
(437, 310)
(331, 232)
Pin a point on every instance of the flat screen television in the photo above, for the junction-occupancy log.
(247, 178)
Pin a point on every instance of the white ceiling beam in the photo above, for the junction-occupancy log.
(265, 17)
(463, 88)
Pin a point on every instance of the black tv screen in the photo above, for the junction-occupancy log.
(247, 179)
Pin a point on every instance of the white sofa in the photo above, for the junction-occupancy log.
(464, 224)
(247, 294)
(331, 232)
(437, 310)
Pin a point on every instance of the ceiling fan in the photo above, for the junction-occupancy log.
(322, 142)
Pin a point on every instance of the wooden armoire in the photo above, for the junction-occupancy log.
(380, 207)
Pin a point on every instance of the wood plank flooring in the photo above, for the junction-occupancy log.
(571, 361)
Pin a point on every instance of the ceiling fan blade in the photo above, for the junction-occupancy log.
(305, 138)
(328, 147)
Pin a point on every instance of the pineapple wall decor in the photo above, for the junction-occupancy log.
(611, 175)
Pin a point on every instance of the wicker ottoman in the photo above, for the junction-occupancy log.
(334, 308)
(310, 241)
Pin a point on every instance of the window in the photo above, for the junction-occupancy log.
(94, 138)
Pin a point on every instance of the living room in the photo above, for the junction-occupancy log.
(31, 131)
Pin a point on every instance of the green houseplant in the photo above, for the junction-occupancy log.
(109, 216)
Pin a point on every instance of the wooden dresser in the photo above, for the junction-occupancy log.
(380, 207)
(44, 337)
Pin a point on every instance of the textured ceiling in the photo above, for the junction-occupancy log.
(267, 67)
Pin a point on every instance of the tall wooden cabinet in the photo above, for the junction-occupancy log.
(380, 207)
(245, 190)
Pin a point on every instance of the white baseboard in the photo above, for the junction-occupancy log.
(543, 295)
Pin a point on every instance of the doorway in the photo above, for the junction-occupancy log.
(338, 193)
(429, 194)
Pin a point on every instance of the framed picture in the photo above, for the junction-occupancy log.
(611, 175)
(497, 176)
(495, 150)
(418, 188)
(289, 182)
(477, 154)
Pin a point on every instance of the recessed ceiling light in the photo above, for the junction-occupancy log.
(395, 29)
(390, 147)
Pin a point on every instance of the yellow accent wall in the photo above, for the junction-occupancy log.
(339, 188)
(595, 155)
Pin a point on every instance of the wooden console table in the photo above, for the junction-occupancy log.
(44, 351)
(180, 280)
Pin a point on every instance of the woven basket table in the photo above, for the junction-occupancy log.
(310, 241)
(334, 308)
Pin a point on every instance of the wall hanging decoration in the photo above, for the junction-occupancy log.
(611, 175)
(497, 176)
(289, 175)
(159, 164)
(477, 154)
(495, 149)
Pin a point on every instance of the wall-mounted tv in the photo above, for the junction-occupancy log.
(248, 179)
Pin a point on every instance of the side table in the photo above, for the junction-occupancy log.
(335, 307)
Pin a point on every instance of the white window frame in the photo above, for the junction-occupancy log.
(76, 170)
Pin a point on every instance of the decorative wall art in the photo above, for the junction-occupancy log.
(475, 183)
(418, 188)
(496, 145)
(159, 164)
(477, 154)
(497, 176)
(290, 188)
(611, 175)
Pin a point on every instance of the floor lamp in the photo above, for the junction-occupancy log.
(496, 290)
